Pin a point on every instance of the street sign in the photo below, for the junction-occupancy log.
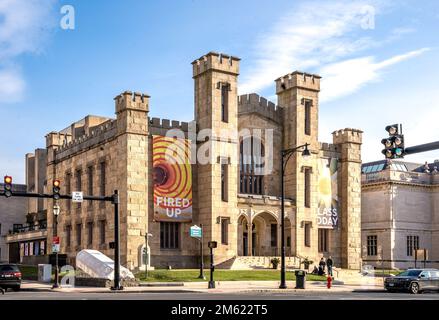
(55, 244)
(196, 231)
(55, 248)
(77, 196)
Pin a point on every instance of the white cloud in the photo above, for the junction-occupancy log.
(12, 85)
(24, 26)
(346, 77)
(324, 37)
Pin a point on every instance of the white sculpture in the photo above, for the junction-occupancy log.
(98, 265)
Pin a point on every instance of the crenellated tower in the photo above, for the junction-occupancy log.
(298, 97)
(348, 142)
(133, 174)
(216, 114)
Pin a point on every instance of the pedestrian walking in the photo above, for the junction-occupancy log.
(329, 264)
(2, 290)
(322, 265)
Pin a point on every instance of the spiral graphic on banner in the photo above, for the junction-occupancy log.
(172, 178)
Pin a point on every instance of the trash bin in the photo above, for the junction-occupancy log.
(300, 279)
(45, 273)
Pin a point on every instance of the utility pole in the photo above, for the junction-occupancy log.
(114, 199)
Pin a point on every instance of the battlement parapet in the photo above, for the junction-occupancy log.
(298, 79)
(328, 147)
(347, 135)
(157, 123)
(129, 100)
(252, 102)
(98, 134)
(216, 61)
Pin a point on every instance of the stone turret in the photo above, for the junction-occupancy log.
(349, 141)
(298, 97)
(216, 109)
(132, 111)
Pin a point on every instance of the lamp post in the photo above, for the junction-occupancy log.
(56, 211)
(285, 156)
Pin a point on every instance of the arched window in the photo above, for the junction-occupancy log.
(251, 166)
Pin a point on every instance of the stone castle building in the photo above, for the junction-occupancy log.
(400, 213)
(236, 204)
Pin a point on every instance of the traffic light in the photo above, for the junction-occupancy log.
(8, 186)
(394, 144)
(56, 189)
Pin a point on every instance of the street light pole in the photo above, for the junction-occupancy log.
(56, 211)
(287, 153)
(201, 276)
(116, 285)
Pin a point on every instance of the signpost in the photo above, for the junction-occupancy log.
(197, 233)
(55, 245)
(212, 245)
(77, 196)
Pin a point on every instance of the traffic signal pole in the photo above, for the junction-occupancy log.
(114, 199)
(422, 148)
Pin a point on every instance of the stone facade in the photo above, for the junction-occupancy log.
(400, 201)
(98, 155)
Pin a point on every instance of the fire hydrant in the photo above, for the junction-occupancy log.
(329, 282)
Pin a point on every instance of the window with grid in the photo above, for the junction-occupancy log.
(372, 245)
(412, 245)
(252, 153)
(323, 240)
(169, 235)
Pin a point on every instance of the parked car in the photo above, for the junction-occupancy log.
(10, 277)
(413, 281)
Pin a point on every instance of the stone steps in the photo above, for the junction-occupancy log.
(255, 262)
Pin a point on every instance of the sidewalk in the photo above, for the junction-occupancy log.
(201, 287)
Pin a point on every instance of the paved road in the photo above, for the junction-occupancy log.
(218, 296)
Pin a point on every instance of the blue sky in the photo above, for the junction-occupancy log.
(378, 59)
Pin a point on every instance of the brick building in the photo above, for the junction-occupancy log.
(235, 196)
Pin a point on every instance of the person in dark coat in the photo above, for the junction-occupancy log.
(322, 265)
(329, 263)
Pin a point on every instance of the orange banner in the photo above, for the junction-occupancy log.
(172, 178)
